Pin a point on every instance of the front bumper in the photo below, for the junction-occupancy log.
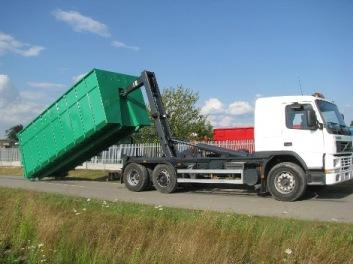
(334, 178)
(342, 170)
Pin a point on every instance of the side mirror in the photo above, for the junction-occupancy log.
(342, 116)
(311, 119)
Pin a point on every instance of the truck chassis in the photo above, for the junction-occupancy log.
(281, 173)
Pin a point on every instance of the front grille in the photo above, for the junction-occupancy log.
(346, 163)
(344, 146)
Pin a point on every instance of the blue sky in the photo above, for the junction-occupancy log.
(229, 51)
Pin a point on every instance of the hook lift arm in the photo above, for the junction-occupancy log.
(160, 117)
(148, 80)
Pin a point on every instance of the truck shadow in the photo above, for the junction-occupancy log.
(335, 192)
(329, 192)
(313, 192)
(218, 189)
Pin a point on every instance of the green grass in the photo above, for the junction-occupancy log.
(15, 171)
(76, 174)
(48, 228)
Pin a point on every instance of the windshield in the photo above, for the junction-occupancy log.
(333, 119)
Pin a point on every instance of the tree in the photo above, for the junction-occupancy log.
(186, 121)
(351, 123)
(11, 133)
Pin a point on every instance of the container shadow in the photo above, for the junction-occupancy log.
(334, 192)
(106, 178)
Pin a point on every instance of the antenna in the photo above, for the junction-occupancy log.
(300, 85)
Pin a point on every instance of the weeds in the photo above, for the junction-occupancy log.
(49, 228)
(75, 174)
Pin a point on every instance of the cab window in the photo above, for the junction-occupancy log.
(296, 117)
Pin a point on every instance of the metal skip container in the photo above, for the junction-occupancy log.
(87, 119)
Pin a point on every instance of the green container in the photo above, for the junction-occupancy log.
(88, 118)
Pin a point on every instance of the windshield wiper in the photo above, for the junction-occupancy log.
(333, 123)
(334, 126)
(345, 129)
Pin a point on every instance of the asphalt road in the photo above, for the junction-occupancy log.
(333, 204)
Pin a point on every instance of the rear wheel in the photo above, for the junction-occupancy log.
(136, 177)
(164, 178)
(286, 181)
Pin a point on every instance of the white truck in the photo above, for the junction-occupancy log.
(299, 141)
(308, 131)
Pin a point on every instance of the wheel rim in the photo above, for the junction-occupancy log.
(163, 178)
(133, 177)
(285, 182)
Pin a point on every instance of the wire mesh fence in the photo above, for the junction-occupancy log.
(115, 153)
(9, 154)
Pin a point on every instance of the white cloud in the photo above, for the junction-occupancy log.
(20, 112)
(118, 44)
(47, 85)
(10, 44)
(212, 106)
(221, 120)
(32, 51)
(78, 77)
(222, 115)
(81, 23)
(15, 107)
(7, 91)
(224, 120)
(32, 95)
(240, 108)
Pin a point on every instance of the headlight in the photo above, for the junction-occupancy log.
(329, 171)
(336, 162)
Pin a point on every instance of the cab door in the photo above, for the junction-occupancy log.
(299, 137)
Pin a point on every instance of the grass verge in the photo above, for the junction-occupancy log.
(76, 174)
(49, 228)
(14, 171)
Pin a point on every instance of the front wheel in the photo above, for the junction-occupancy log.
(136, 177)
(164, 178)
(286, 182)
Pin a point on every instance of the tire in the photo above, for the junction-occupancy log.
(136, 177)
(164, 178)
(286, 182)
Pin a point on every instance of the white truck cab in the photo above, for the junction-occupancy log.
(310, 130)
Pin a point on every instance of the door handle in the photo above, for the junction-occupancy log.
(287, 144)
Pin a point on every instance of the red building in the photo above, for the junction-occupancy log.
(235, 133)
